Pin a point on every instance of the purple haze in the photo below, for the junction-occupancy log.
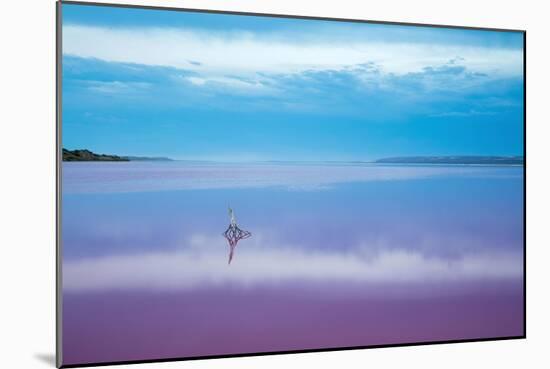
(430, 217)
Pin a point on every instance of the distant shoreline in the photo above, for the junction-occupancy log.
(461, 160)
(89, 156)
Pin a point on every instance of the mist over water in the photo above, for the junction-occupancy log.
(124, 177)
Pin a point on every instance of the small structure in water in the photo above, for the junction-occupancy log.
(234, 234)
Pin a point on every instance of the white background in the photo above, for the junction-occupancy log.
(27, 192)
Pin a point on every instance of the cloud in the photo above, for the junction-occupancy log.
(217, 53)
(293, 72)
(468, 113)
(351, 90)
(257, 262)
(116, 87)
(239, 86)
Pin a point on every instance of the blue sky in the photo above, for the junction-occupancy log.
(237, 88)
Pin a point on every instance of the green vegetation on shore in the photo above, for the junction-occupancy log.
(87, 155)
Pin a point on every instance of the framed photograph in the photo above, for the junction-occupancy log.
(241, 184)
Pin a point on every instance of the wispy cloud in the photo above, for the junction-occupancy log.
(231, 85)
(116, 87)
(217, 53)
(468, 113)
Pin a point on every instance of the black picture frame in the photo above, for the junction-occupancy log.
(58, 158)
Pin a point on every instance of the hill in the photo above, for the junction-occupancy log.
(87, 155)
(487, 160)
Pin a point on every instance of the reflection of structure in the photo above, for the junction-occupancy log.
(234, 234)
